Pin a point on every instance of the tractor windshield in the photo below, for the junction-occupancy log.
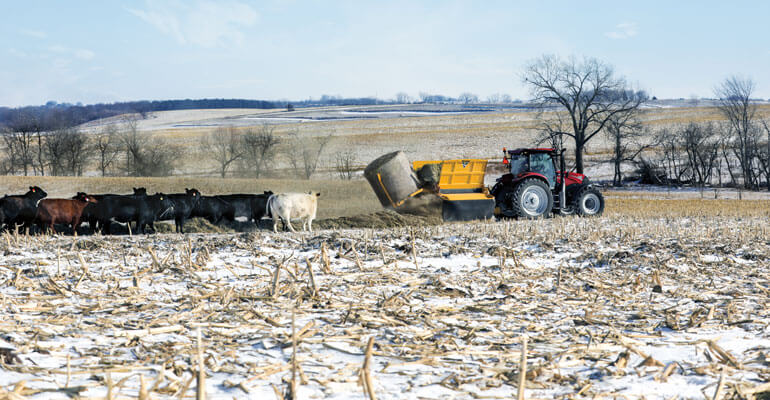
(542, 163)
(519, 164)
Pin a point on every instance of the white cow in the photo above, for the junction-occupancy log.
(288, 206)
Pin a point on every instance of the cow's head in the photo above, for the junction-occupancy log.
(36, 192)
(192, 192)
(140, 191)
(166, 204)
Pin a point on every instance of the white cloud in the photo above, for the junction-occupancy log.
(203, 23)
(82, 54)
(623, 30)
(34, 33)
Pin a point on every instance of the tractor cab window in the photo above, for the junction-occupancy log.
(543, 164)
(519, 164)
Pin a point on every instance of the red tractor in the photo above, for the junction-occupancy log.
(534, 187)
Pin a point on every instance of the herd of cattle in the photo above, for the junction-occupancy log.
(33, 209)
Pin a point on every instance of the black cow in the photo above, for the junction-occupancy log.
(21, 209)
(143, 210)
(251, 206)
(184, 203)
(90, 212)
(213, 209)
(140, 191)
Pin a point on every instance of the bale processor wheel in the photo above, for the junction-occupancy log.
(532, 198)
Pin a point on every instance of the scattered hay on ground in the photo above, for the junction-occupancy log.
(382, 219)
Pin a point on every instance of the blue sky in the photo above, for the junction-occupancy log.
(109, 50)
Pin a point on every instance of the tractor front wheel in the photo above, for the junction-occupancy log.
(532, 198)
(588, 202)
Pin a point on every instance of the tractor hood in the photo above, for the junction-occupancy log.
(572, 178)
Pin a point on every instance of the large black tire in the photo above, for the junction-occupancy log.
(532, 198)
(588, 202)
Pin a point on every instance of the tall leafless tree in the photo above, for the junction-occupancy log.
(224, 146)
(344, 164)
(145, 155)
(403, 98)
(587, 91)
(259, 149)
(672, 160)
(629, 139)
(468, 98)
(66, 151)
(106, 148)
(736, 104)
(701, 145)
(305, 153)
(18, 139)
(764, 155)
(131, 142)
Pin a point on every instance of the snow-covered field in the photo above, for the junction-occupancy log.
(612, 307)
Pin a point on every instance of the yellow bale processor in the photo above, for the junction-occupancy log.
(459, 184)
(461, 189)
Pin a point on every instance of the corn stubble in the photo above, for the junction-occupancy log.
(585, 295)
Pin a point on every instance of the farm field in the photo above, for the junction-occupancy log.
(656, 299)
(422, 132)
(663, 296)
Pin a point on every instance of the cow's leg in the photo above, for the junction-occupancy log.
(309, 224)
(75, 225)
(275, 223)
(288, 222)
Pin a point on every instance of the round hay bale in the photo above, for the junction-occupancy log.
(397, 177)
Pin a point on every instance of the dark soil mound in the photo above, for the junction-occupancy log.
(382, 219)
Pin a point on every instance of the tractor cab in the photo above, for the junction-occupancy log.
(538, 161)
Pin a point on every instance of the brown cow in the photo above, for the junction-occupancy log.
(60, 211)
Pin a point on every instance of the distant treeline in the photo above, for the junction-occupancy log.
(55, 115)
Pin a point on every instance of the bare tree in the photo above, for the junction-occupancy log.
(107, 148)
(344, 164)
(305, 153)
(259, 148)
(468, 98)
(627, 135)
(224, 146)
(494, 98)
(131, 142)
(18, 140)
(66, 151)
(145, 155)
(587, 90)
(701, 144)
(672, 160)
(764, 155)
(736, 104)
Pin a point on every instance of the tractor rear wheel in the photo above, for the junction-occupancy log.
(532, 198)
(588, 202)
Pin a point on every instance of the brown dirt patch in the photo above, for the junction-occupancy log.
(382, 219)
